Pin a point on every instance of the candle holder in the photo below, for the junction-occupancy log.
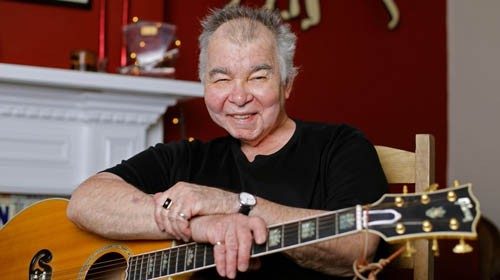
(83, 60)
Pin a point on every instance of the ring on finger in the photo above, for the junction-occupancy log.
(167, 203)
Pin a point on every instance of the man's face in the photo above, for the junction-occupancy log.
(243, 92)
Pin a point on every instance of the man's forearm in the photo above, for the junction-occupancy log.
(107, 205)
(334, 256)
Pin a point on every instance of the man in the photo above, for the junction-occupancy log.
(270, 169)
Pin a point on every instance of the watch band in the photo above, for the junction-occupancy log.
(245, 209)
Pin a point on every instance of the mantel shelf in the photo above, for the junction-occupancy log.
(94, 81)
(57, 126)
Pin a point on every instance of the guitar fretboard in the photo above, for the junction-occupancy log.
(195, 256)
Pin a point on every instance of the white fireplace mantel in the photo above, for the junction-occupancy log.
(59, 126)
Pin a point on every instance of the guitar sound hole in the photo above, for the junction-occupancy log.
(108, 266)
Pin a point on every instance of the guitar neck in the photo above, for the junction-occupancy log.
(195, 256)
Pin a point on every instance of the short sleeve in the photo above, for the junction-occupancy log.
(156, 168)
(355, 175)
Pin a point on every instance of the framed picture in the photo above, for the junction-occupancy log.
(86, 4)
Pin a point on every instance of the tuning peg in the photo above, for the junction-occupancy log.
(454, 224)
(425, 199)
(409, 250)
(451, 196)
(462, 247)
(435, 247)
(456, 183)
(398, 201)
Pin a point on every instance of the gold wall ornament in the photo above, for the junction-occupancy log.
(313, 11)
(393, 10)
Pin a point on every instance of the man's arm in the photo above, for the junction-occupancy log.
(334, 256)
(107, 205)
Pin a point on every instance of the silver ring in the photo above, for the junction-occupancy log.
(167, 203)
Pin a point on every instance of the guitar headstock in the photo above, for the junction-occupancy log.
(451, 212)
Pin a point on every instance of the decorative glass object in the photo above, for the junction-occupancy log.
(147, 47)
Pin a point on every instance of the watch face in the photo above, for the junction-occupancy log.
(247, 199)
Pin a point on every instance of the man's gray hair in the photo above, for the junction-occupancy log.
(285, 38)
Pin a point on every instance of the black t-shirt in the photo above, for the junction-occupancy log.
(323, 166)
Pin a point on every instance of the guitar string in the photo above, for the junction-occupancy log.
(98, 274)
(103, 267)
(322, 222)
(133, 271)
(112, 263)
(184, 267)
(158, 266)
(415, 221)
(98, 269)
(70, 273)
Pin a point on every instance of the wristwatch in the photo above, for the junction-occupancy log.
(247, 202)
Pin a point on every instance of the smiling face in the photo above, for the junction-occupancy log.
(243, 91)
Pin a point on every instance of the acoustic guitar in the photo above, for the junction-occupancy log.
(41, 243)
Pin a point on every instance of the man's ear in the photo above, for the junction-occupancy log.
(288, 87)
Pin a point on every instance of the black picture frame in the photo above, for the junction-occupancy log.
(83, 4)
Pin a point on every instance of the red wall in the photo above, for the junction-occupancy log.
(390, 84)
(45, 35)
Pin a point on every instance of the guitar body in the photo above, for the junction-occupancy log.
(41, 242)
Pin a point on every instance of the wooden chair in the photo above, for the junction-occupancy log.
(404, 167)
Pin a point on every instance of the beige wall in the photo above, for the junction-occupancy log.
(474, 99)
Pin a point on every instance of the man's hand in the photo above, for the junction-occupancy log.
(185, 201)
(232, 236)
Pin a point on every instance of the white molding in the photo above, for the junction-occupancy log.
(59, 126)
(78, 80)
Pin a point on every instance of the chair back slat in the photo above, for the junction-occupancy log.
(405, 167)
(398, 165)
